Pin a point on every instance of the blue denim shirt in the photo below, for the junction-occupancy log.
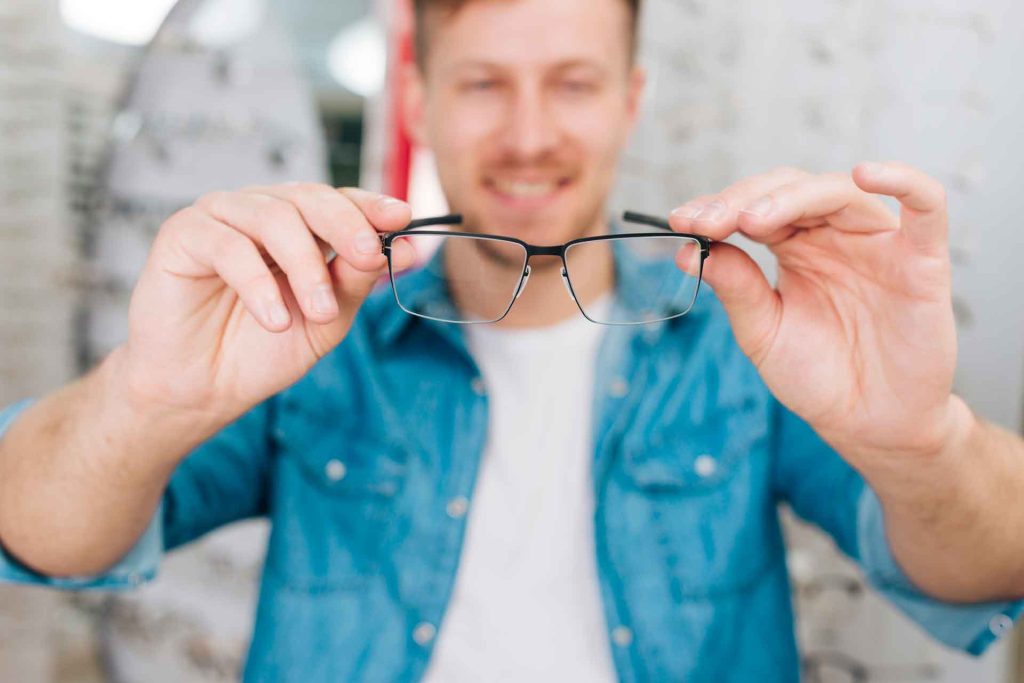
(355, 465)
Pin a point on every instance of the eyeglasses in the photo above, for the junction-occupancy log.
(658, 273)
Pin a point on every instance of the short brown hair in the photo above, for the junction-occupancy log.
(450, 7)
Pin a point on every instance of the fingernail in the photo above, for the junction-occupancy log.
(388, 203)
(761, 208)
(688, 211)
(712, 212)
(367, 243)
(277, 314)
(873, 168)
(324, 302)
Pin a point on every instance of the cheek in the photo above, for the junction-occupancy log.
(457, 139)
(599, 131)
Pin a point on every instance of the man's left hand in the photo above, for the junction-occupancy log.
(858, 335)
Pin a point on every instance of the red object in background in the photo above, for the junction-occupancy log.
(399, 145)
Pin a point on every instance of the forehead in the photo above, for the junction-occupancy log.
(531, 33)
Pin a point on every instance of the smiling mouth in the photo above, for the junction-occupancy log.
(525, 189)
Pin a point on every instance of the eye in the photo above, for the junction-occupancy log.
(481, 85)
(577, 86)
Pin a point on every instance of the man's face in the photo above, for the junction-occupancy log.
(527, 105)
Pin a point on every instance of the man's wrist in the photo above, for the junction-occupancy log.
(168, 432)
(935, 470)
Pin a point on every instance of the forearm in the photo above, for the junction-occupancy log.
(954, 521)
(82, 472)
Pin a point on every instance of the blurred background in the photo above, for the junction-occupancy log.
(114, 113)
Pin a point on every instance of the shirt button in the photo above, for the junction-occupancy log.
(1000, 625)
(457, 507)
(479, 388)
(619, 388)
(705, 466)
(424, 633)
(622, 636)
(335, 470)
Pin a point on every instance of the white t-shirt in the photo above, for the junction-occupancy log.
(526, 604)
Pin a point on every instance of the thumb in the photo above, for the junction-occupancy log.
(353, 285)
(751, 303)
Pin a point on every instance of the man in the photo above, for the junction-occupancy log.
(546, 499)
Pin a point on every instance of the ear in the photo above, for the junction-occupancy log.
(414, 104)
(637, 84)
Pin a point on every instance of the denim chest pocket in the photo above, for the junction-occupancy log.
(697, 501)
(688, 456)
(335, 508)
(345, 464)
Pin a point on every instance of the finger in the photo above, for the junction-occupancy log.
(278, 228)
(831, 200)
(335, 219)
(236, 260)
(385, 214)
(753, 306)
(715, 215)
(403, 255)
(354, 285)
(924, 216)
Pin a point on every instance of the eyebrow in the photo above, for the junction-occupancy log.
(566, 65)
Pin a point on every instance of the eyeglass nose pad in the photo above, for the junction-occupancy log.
(565, 281)
(522, 285)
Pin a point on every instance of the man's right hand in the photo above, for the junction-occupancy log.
(237, 302)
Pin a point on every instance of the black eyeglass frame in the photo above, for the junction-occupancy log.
(531, 250)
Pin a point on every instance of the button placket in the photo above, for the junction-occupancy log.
(618, 388)
(424, 633)
(622, 636)
(457, 507)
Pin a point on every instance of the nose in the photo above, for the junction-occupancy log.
(530, 129)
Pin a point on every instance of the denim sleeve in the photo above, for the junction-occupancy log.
(138, 566)
(824, 490)
(221, 481)
(968, 627)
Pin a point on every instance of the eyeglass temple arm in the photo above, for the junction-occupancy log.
(644, 219)
(655, 222)
(450, 219)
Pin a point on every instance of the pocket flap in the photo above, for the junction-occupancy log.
(685, 456)
(352, 464)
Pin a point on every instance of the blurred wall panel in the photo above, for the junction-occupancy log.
(42, 638)
(35, 243)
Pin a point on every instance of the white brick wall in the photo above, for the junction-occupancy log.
(35, 245)
(42, 638)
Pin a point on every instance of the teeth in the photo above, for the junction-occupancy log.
(519, 188)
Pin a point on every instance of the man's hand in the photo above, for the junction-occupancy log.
(858, 337)
(236, 301)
